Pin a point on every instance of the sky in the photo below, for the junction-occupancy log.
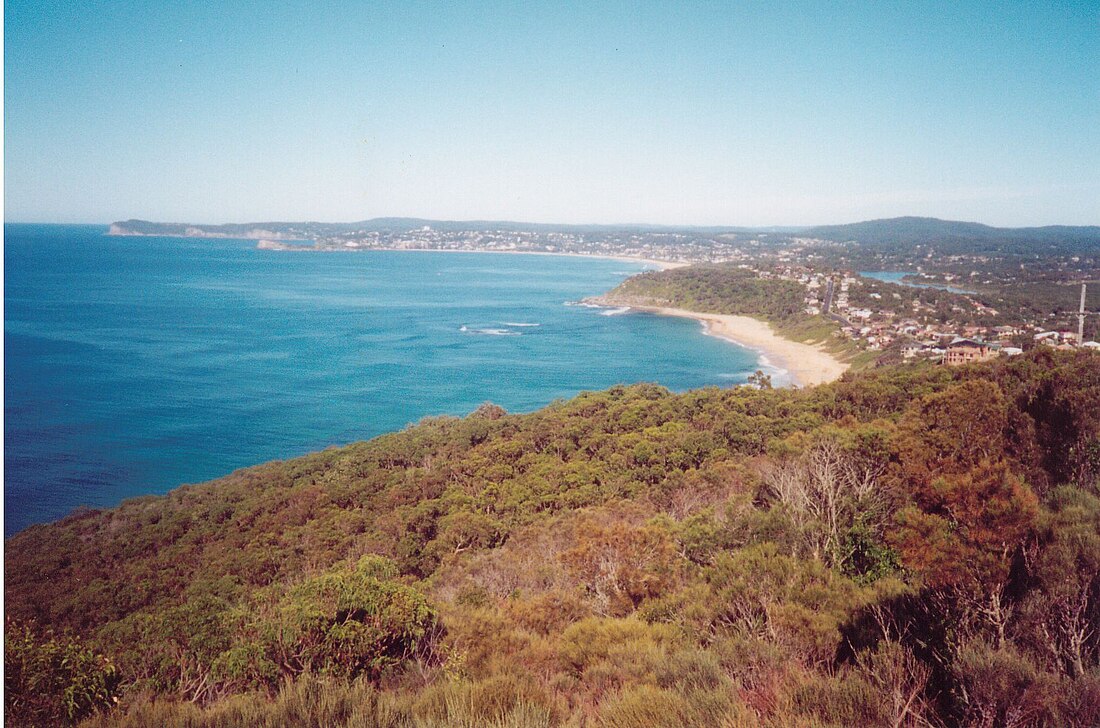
(761, 112)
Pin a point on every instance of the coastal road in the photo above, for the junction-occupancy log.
(840, 319)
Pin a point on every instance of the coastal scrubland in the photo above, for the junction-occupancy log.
(908, 546)
(719, 289)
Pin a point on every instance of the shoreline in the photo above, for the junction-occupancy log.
(805, 364)
(282, 245)
(661, 264)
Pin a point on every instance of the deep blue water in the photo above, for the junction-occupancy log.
(133, 365)
(895, 276)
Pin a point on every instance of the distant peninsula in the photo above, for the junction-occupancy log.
(648, 242)
(887, 284)
(893, 237)
(895, 288)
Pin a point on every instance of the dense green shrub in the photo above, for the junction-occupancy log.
(53, 680)
(906, 546)
(346, 623)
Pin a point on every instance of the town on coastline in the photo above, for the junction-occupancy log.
(889, 320)
(900, 289)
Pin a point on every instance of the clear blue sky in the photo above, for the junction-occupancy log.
(742, 113)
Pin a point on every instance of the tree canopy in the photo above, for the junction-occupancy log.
(910, 545)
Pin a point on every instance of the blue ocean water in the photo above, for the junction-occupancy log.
(133, 365)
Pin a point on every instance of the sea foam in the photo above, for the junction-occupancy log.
(489, 331)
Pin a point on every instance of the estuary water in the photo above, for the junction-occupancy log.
(133, 365)
(897, 276)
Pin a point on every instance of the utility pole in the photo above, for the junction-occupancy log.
(1081, 318)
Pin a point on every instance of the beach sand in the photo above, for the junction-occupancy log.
(806, 364)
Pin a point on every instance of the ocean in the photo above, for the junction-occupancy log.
(135, 364)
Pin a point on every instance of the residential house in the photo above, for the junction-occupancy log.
(964, 351)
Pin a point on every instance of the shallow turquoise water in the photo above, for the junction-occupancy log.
(133, 365)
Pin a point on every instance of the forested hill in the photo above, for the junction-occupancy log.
(720, 289)
(909, 546)
(951, 235)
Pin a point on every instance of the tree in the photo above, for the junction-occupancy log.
(970, 513)
(1061, 614)
(346, 622)
(826, 490)
(621, 565)
(760, 380)
(757, 592)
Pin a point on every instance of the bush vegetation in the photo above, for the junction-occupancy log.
(718, 289)
(909, 546)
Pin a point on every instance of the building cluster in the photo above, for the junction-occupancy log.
(914, 328)
(963, 350)
(665, 246)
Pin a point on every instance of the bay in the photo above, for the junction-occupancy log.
(135, 364)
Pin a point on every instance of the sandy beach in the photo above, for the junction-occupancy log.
(806, 364)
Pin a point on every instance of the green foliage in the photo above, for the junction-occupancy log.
(847, 699)
(797, 604)
(852, 554)
(53, 680)
(1060, 614)
(869, 558)
(345, 622)
(500, 700)
(716, 289)
(324, 702)
(590, 642)
(1001, 687)
(645, 706)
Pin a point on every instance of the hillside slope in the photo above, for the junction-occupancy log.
(906, 545)
(963, 236)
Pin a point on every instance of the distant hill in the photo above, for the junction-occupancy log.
(899, 233)
(970, 236)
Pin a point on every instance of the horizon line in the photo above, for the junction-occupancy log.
(673, 226)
